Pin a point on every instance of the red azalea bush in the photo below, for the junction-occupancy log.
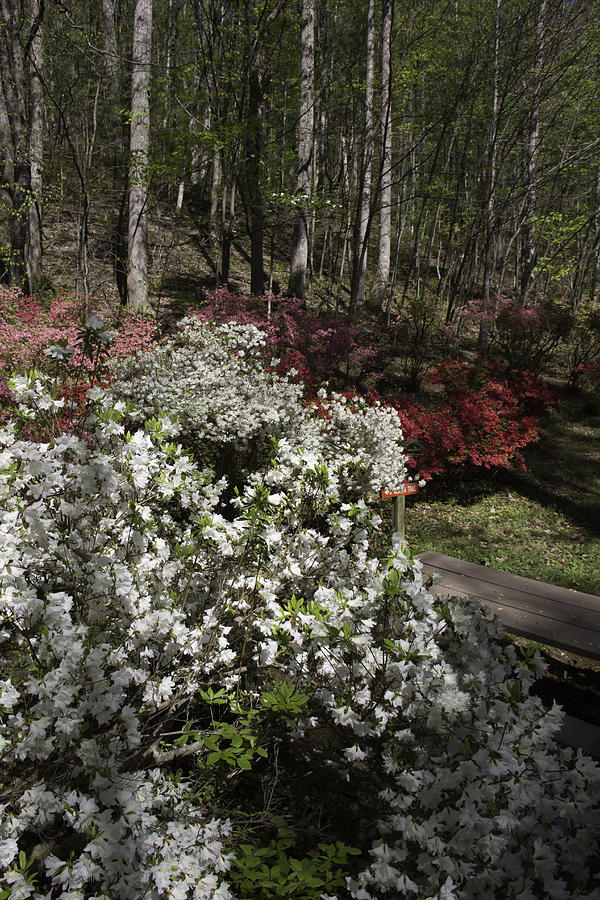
(479, 418)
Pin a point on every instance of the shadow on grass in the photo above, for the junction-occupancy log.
(562, 472)
(563, 468)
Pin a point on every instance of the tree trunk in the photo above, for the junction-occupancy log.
(528, 253)
(491, 191)
(6, 173)
(13, 86)
(253, 189)
(137, 274)
(227, 230)
(116, 131)
(112, 70)
(299, 259)
(385, 197)
(361, 231)
(36, 148)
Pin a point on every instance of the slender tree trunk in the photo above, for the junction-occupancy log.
(361, 232)
(596, 246)
(253, 189)
(12, 75)
(299, 259)
(112, 68)
(227, 229)
(528, 253)
(385, 197)
(6, 175)
(117, 133)
(137, 274)
(36, 148)
(215, 187)
(491, 190)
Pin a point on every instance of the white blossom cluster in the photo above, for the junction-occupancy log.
(128, 591)
(210, 379)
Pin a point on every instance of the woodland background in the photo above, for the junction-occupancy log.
(362, 152)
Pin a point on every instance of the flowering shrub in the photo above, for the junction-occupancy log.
(230, 409)
(73, 346)
(29, 327)
(583, 348)
(183, 690)
(318, 347)
(480, 418)
(522, 338)
(419, 333)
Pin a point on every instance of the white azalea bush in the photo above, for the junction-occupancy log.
(212, 381)
(214, 696)
(230, 408)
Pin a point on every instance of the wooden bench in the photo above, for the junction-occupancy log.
(541, 612)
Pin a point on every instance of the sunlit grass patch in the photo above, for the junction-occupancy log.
(542, 524)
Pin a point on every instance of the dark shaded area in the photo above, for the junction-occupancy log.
(559, 465)
(557, 471)
(186, 288)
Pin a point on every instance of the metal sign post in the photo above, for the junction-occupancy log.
(399, 505)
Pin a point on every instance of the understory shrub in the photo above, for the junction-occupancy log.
(522, 338)
(583, 349)
(419, 334)
(207, 703)
(317, 346)
(29, 327)
(232, 411)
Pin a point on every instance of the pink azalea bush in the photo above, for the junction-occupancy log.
(63, 338)
(522, 338)
(583, 350)
(317, 346)
(29, 326)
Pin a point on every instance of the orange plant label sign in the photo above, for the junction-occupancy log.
(407, 488)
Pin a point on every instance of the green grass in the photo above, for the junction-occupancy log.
(543, 524)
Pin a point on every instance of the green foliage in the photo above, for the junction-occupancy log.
(264, 872)
(284, 699)
(232, 746)
(25, 868)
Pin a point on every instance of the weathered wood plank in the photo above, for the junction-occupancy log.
(519, 582)
(532, 609)
(535, 604)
